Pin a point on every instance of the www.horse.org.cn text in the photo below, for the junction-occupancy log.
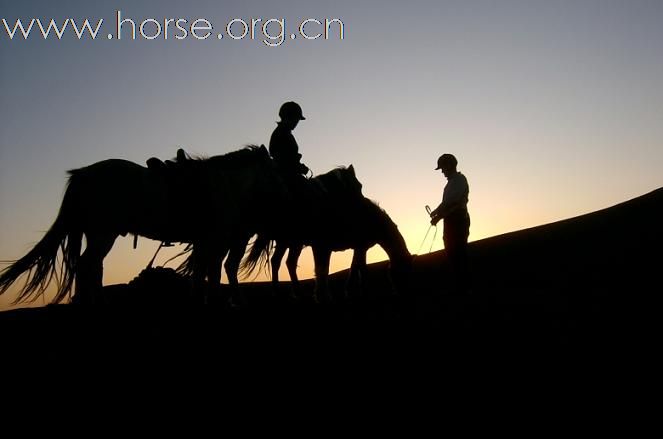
(273, 32)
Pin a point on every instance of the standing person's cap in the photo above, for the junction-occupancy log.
(291, 110)
(446, 158)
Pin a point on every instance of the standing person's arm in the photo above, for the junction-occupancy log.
(455, 197)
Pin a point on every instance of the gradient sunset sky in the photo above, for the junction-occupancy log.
(553, 108)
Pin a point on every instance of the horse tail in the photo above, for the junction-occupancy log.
(258, 256)
(41, 263)
(187, 267)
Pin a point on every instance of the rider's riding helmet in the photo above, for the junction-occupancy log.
(291, 111)
(446, 159)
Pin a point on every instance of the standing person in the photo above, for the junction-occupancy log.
(453, 211)
(282, 145)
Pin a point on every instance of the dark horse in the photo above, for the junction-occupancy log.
(329, 191)
(313, 194)
(210, 204)
(348, 223)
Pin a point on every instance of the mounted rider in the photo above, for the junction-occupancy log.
(282, 145)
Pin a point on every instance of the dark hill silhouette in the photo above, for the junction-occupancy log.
(614, 248)
(585, 281)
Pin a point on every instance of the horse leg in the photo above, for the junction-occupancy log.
(321, 257)
(279, 251)
(355, 280)
(90, 270)
(232, 267)
(277, 257)
(199, 270)
(294, 251)
(214, 260)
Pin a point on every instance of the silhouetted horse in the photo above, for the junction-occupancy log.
(348, 223)
(210, 203)
(316, 194)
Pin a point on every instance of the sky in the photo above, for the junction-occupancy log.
(554, 108)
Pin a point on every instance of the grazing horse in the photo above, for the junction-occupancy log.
(209, 203)
(338, 184)
(348, 223)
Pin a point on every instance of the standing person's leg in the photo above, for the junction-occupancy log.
(455, 238)
(462, 258)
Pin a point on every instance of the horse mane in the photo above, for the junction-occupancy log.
(333, 174)
(240, 158)
(390, 227)
(334, 182)
(382, 214)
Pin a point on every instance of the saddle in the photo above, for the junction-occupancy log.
(159, 165)
(177, 175)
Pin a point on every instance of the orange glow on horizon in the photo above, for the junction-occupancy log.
(124, 262)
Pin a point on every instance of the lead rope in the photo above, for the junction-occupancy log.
(433, 241)
(428, 211)
(424, 240)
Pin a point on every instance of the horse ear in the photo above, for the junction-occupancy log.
(351, 169)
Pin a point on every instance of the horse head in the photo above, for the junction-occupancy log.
(393, 243)
(400, 271)
(341, 182)
(351, 182)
